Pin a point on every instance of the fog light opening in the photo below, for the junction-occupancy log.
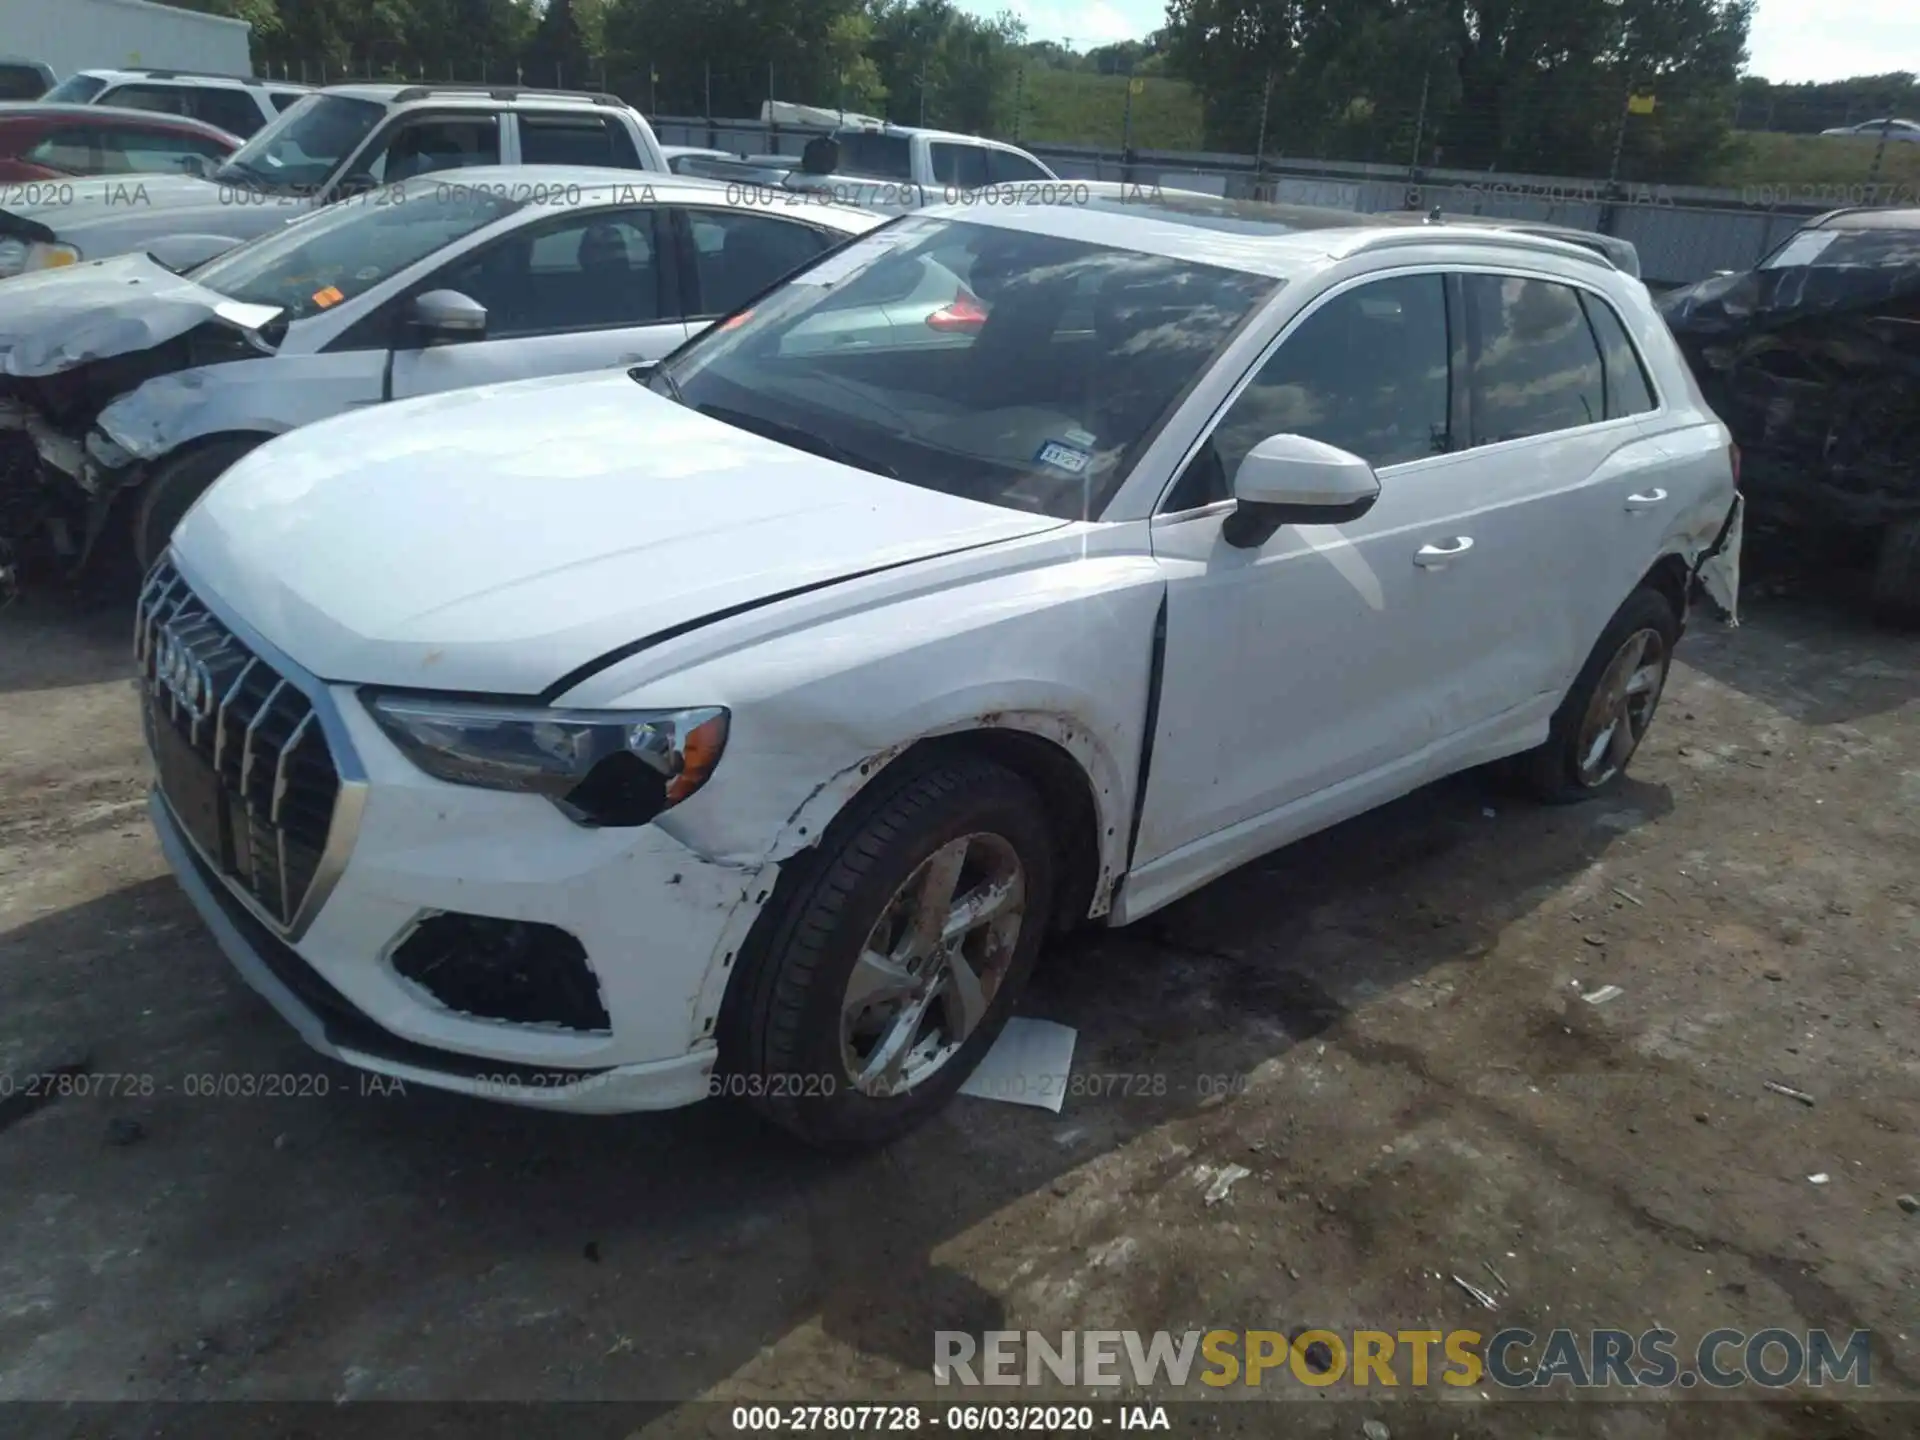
(522, 972)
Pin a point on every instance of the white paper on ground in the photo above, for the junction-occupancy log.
(1029, 1064)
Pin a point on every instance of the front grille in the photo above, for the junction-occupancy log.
(256, 791)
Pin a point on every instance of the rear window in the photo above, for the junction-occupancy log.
(884, 157)
(75, 90)
(1876, 246)
(343, 251)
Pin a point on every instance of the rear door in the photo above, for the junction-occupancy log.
(583, 290)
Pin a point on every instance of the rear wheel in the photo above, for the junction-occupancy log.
(171, 490)
(1896, 575)
(1607, 712)
(892, 966)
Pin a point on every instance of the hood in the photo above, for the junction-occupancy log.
(54, 320)
(114, 214)
(496, 539)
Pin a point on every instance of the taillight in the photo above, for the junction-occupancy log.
(1733, 455)
(964, 313)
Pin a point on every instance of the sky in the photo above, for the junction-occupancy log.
(1791, 40)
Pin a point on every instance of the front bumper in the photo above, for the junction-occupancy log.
(658, 924)
(330, 1023)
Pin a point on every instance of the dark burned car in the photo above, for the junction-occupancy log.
(1813, 362)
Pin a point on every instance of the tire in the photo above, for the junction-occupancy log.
(170, 492)
(791, 1041)
(1896, 575)
(1566, 769)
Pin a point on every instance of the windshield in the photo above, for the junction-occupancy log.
(74, 90)
(991, 363)
(345, 250)
(304, 145)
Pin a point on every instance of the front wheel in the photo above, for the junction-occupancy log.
(1607, 712)
(170, 492)
(889, 971)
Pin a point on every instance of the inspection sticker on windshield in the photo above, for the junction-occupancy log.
(328, 297)
(1062, 457)
(838, 266)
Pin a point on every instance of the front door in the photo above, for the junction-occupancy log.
(587, 290)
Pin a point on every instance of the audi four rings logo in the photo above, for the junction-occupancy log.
(183, 675)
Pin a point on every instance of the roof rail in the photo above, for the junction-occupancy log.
(505, 92)
(1513, 239)
(153, 74)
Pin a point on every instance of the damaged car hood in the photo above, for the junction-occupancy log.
(1729, 306)
(427, 543)
(54, 320)
(115, 215)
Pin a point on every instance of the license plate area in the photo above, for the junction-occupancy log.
(191, 789)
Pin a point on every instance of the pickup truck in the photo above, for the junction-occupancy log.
(886, 167)
(340, 143)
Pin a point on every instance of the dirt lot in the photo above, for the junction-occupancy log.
(1385, 1025)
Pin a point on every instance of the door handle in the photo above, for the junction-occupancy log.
(1646, 501)
(1432, 557)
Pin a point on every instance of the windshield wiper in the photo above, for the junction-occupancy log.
(798, 438)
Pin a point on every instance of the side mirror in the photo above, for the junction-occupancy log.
(446, 317)
(1291, 480)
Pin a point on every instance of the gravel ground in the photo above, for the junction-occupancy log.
(1385, 1025)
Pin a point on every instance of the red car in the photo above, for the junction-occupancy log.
(58, 142)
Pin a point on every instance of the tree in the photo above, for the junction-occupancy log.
(557, 53)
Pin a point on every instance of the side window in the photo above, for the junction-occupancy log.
(282, 99)
(1367, 371)
(737, 254)
(1533, 367)
(583, 271)
(565, 139)
(233, 110)
(67, 151)
(1006, 168)
(166, 99)
(433, 142)
(126, 151)
(962, 166)
(1628, 391)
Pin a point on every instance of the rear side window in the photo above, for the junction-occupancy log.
(576, 140)
(963, 166)
(234, 111)
(282, 99)
(737, 254)
(1628, 392)
(1532, 364)
(68, 151)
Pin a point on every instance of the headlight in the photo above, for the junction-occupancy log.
(43, 255)
(600, 768)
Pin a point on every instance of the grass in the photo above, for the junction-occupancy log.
(1074, 107)
(1819, 169)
